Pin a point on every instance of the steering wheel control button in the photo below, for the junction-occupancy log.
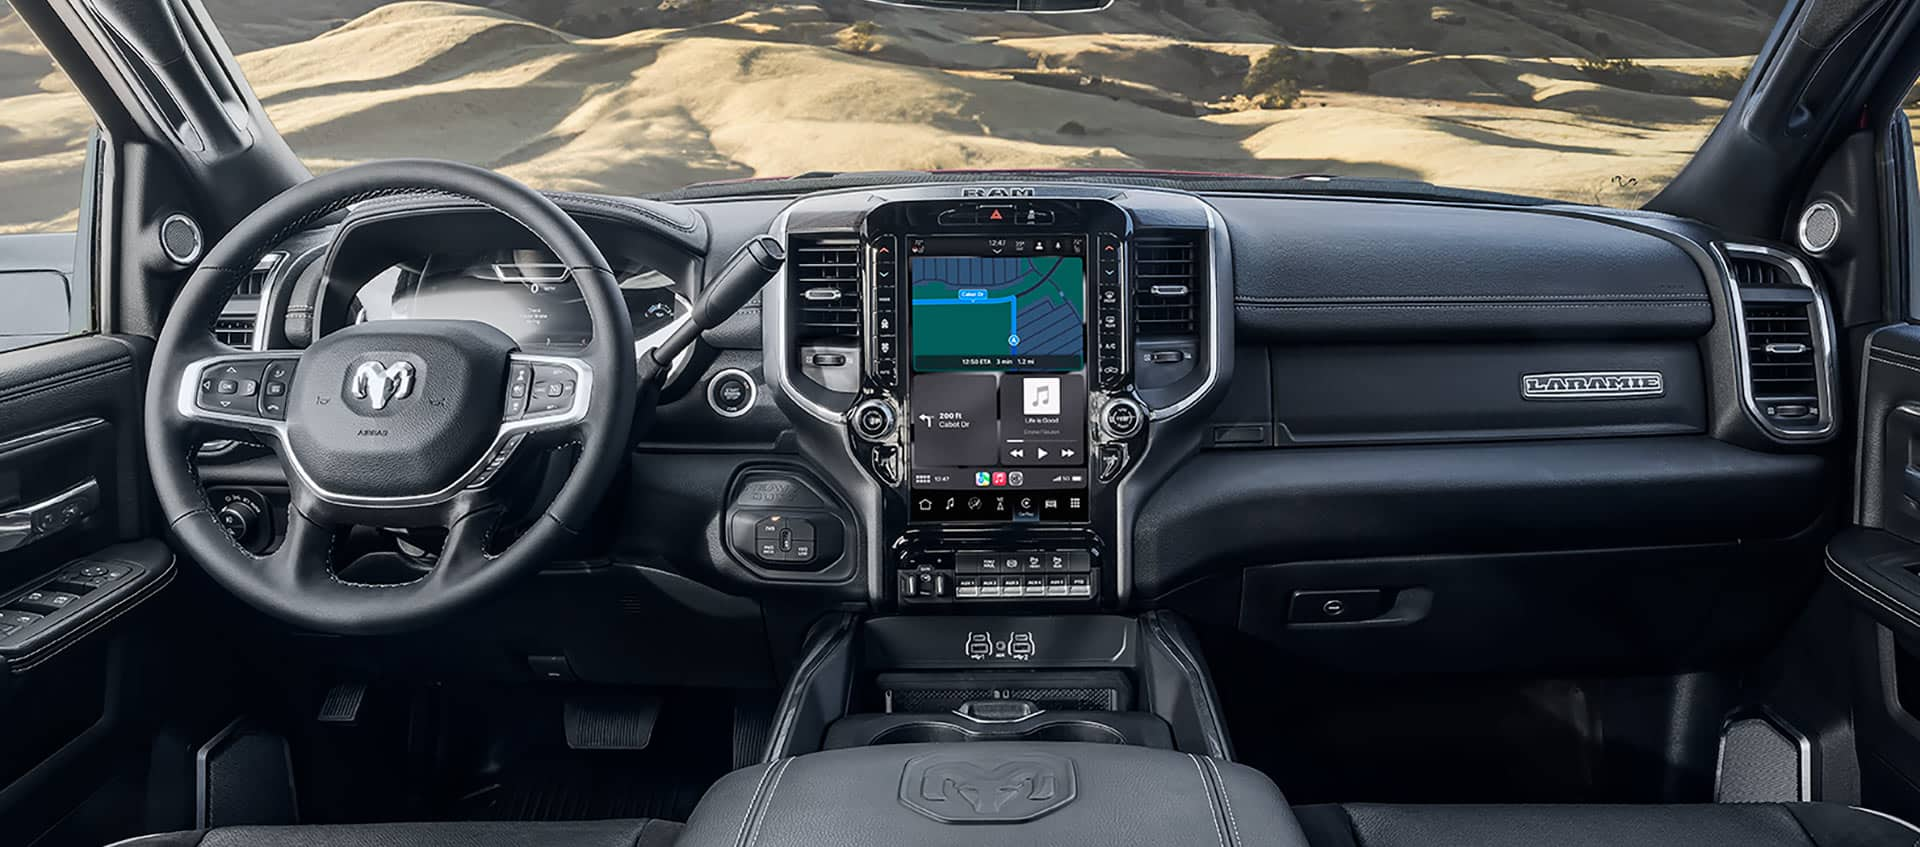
(226, 387)
(731, 393)
(552, 390)
(498, 459)
(1123, 418)
(873, 420)
(519, 385)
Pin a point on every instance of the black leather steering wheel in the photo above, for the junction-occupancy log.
(388, 423)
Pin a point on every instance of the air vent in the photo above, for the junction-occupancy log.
(256, 282)
(234, 332)
(825, 286)
(1166, 285)
(1781, 354)
(1784, 341)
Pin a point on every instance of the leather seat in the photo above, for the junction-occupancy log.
(1720, 825)
(994, 794)
(643, 832)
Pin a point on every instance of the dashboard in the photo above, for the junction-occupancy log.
(961, 397)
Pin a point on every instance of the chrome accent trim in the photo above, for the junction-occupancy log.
(753, 393)
(1800, 740)
(1821, 328)
(199, 238)
(1800, 229)
(1593, 385)
(1168, 290)
(17, 528)
(1879, 814)
(33, 438)
(583, 397)
(1219, 297)
(269, 292)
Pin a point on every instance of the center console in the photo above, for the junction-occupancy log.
(998, 364)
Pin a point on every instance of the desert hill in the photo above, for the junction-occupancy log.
(1491, 94)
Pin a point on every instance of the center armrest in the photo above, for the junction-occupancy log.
(997, 793)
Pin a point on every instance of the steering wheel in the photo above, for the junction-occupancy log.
(388, 423)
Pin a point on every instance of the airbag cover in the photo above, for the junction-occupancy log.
(397, 408)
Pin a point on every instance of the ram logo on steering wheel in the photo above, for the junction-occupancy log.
(379, 383)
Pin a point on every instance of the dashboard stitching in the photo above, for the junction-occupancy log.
(63, 380)
(606, 203)
(1888, 351)
(1872, 592)
(1876, 358)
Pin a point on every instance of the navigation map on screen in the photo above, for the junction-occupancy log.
(998, 313)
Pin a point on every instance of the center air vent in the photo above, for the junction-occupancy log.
(1785, 342)
(1166, 284)
(825, 286)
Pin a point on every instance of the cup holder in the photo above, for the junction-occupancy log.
(942, 732)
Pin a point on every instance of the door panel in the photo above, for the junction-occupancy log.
(80, 653)
(1877, 566)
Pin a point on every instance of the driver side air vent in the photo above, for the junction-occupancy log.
(1785, 342)
(236, 331)
(1166, 283)
(825, 286)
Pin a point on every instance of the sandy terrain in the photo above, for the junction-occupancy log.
(1485, 95)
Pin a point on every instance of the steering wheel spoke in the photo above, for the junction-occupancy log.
(245, 392)
(305, 555)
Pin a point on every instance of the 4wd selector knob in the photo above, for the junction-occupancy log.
(873, 420)
(1122, 418)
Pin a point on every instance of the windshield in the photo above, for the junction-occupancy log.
(1592, 101)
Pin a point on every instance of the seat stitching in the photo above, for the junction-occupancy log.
(766, 804)
(1213, 811)
(1233, 826)
(752, 804)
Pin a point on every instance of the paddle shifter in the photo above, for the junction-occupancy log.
(746, 273)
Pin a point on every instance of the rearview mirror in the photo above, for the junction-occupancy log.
(1031, 6)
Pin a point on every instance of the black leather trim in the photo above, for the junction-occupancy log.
(1170, 633)
(48, 645)
(829, 640)
(1698, 825)
(638, 832)
(1326, 825)
(1108, 794)
(1318, 270)
(1874, 565)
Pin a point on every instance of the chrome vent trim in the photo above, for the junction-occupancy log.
(1166, 284)
(1772, 370)
(826, 286)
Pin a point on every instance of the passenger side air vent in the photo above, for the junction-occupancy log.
(1781, 353)
(825, 286)
(1166, 285)
(1785, 341)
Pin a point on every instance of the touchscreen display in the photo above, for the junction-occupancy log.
(998, 394)
(999, 312)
